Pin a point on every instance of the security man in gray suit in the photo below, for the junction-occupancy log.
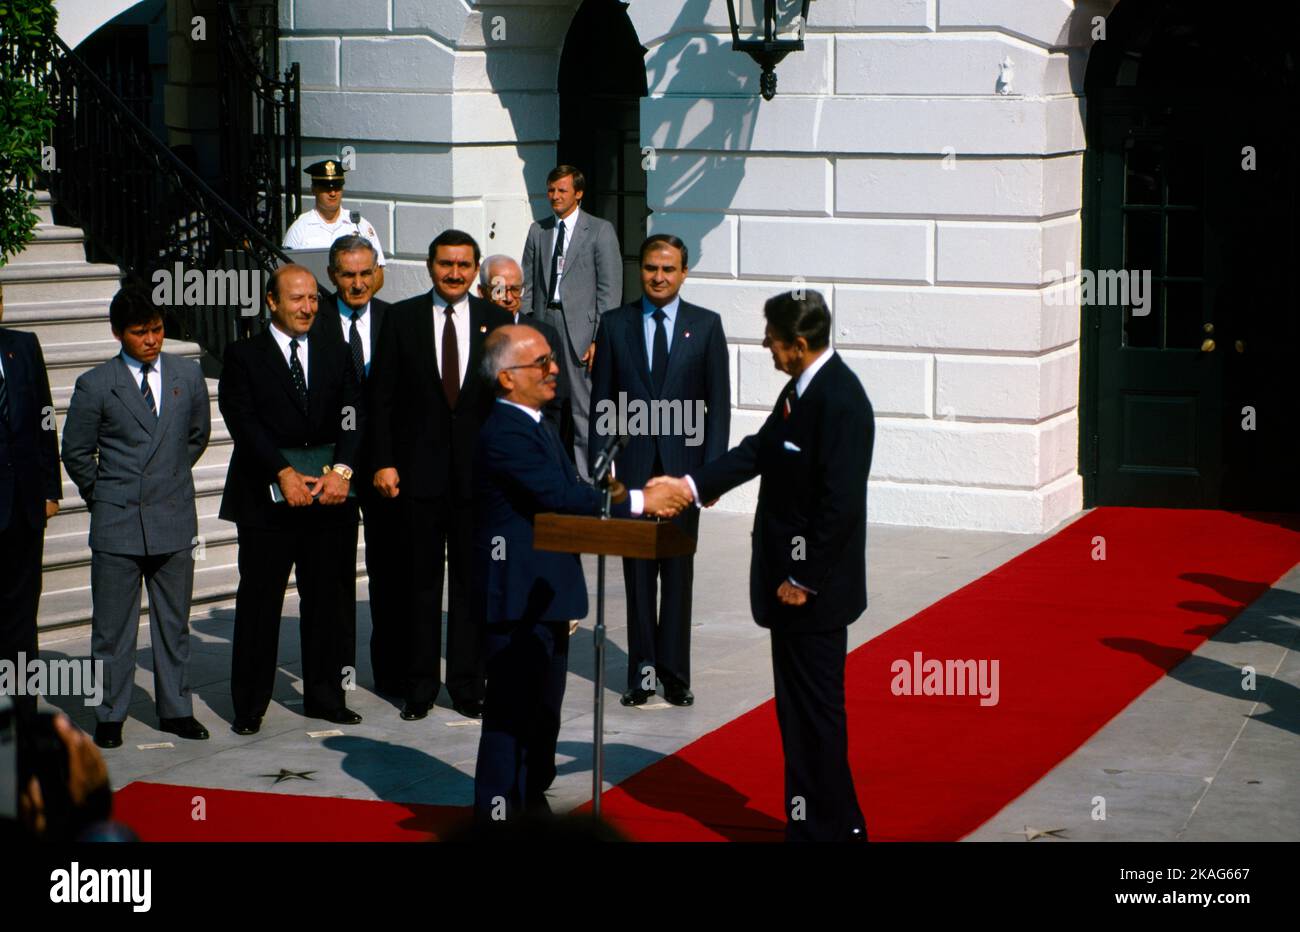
(136, 426)
(573, 273)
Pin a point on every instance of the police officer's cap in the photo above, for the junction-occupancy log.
(325, 171)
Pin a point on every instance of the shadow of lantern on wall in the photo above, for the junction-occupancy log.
(768, 30)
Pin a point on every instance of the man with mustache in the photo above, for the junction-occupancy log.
(428, 404)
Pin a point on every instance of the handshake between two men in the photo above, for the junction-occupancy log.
(665, 496)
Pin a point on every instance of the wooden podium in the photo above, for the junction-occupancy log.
(639, 538)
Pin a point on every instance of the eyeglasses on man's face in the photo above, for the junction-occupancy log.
(541, 362)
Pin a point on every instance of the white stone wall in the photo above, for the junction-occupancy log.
(929, 207)
(449, 106)
(890, 172)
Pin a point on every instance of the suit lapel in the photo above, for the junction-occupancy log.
(478, 324)
(280, 366)
(171, 403)
(683, 333)
(426, 336)
(16, 379)
(377, 313)
(128, 390)
(636, 320)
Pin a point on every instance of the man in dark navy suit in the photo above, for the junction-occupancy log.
(29, 487)
(353, 317)
(808, 575)
(665, 358)
(524, 597)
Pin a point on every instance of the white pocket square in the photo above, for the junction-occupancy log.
(791, 447)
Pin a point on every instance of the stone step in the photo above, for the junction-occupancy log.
(65, 363)
(52, 243)
(33, 282)
(44, 207)
(57, 323)
(215, 585)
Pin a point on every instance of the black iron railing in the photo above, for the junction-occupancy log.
(146, 210)
(261, 122)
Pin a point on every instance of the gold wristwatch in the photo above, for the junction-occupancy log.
(343, 471)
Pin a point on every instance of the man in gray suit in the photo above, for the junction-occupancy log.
(136, 426)
(573, 273)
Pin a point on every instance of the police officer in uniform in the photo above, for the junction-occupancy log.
(319, 227)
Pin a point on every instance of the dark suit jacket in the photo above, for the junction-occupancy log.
(134, 468)
(698, 370)
(431, 446)
(261, 409)
(520, 469)
(29, 455)
(814, 468)
(327, 327)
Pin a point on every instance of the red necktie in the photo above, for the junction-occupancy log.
(450, 360)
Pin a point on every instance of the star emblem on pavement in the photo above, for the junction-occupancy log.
(288, 775)
(1031, 833)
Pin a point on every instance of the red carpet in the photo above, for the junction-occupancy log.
(1077, 640)
(163, 812)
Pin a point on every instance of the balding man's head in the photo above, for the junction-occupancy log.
(521, 366)
(501, 281)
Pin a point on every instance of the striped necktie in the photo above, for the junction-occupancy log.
(145, 391)
(4, 400)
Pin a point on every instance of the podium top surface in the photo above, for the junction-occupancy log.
(639, 538)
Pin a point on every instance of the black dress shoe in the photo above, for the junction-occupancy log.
(679, 695)
(187, 727)
(108, 734)
(637, 696)
(413, 712)
(472, 708)
(246, 726)
(340, 716)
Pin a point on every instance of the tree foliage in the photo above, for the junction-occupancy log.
(26, 114)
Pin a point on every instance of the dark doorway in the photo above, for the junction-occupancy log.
(1191, 175)
(602, 81)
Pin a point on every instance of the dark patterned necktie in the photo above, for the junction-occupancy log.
(450, 360)
(4, 400)
(790, 397)
(358, 350)
(299, 377)
(556, 256)
(145, 391)
(659, 356)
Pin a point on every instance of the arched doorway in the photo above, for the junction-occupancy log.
(1191, 174)
(602, 81)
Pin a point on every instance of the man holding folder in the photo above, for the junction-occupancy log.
(293, 406)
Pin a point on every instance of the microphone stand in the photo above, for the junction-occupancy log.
(598, 728)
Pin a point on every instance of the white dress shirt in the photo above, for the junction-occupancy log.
(312, 231)
(461, 321)
(570, 223)
(283, 340)
(648, 322)
(363, 328)
(155, 377)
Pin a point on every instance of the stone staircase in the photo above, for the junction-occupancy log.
(51, 290)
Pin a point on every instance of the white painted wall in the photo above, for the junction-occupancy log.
(936, 267)
(79, 18)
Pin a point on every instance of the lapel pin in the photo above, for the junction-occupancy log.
(482, 328)
(176, 391)
(687, 335)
